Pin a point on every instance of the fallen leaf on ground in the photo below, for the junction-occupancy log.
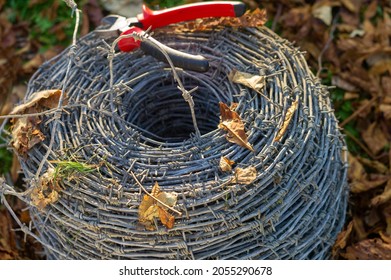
(342, 240)
(366, 185)
(245, 176)
(253, 81)
(368, 249)
(226, 164)
(349, 5)
(383, 197)
(7, 237)
(151, 207)
(386, 110)
(374, 137)
(385, 237)
(374, 164)
(387, 217)
(359, 180)
(323, 13)
(231, 122)
(288, 117)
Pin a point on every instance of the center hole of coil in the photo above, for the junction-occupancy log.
(161, 113)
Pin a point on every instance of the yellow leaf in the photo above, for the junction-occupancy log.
(226, 164)
(231, 122)
(288, 117)
(246, 175)
(155, 206)
(167, 219)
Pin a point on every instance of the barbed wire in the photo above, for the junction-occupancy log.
(145, 133)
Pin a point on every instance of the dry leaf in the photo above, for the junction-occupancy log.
(254, 18)
(167, 219)
(287, 120)
(45, 98)
(231, 122)
(386, 110)
(25, 131)
(255, 82)
(366, 185)
(368, 249)
(374, 164)
(151, 208)
(25, 134)
(45, 192)
(246, 175)
(342, 240)
(343, 84)
(374, 138)
(226, 164)
(7, 237)
(385, 237)
(387, 216)
(323, 13)
(383, 197)
(349, 5)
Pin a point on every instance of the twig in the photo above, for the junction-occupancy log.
(358, 111)
(158, 200)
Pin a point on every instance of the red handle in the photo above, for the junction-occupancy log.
(129, 44)
(156, 19)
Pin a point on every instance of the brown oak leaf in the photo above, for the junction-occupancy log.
(231, 122)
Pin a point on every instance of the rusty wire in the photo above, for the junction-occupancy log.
(143, 126)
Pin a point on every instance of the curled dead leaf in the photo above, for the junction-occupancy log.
(25, 130)
(231, 122)
(226, 164)
(245, 176)
(25, 134)
(45, 192)
(156, 205)
(41, 99)
(288, 117)
(255, 82)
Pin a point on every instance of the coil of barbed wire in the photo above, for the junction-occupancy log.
(140, 131)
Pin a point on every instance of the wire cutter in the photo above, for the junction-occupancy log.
(150, 20)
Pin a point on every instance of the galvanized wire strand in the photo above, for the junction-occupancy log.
(293, 210)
